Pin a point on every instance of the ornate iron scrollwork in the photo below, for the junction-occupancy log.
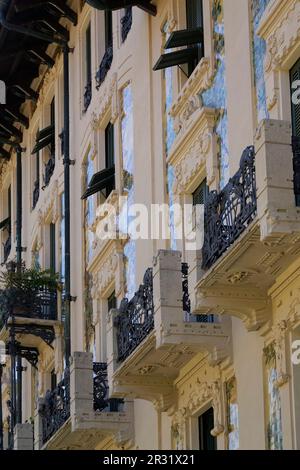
(101, 400)
(228, 213)
(296, 167)
(104, 66)
(56, 408)
(126, 23)
(136, 318)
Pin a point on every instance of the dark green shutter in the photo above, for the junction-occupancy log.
(200, 194)
(295, 75)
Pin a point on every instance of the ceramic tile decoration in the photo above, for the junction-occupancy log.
(259, 52)
(232, 415)
(216, 95)
(128, 183)
(272, 401)
(89, 208)
(62, 237)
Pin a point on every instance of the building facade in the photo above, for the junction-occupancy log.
(161, 340)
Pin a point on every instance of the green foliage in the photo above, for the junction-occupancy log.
(28, 280)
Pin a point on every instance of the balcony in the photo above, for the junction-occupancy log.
(78, 413)
(251, 230)
(30, 309)
(150, 340)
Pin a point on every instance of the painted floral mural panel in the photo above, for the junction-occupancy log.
(128, 184)
(259, 53)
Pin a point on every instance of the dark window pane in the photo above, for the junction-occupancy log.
(206, 424)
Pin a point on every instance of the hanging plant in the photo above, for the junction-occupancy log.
(20, 288)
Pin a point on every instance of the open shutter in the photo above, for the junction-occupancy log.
(100, 181)
(5, 223)
(200, 195)
(145, 5)
(192, 38)
(44, 138)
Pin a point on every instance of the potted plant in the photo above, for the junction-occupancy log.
(21, 289)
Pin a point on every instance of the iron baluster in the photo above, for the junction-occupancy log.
(227, 214)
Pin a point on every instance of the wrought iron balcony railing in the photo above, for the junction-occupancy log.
(101, 400)
(49, 170)
(7, 248)
(55, 410)
(126, 23)
(136, 318)
(104, 66)
(87, 97)
(227, 214)
(37, 304)
(296, 167)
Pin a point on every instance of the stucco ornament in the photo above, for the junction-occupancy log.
(280, 337)
(178, 428)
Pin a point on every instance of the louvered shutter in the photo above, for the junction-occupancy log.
(294, 76)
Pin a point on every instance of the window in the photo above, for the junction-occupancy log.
(194, 20)
(294, 77)
(112, 301)
(88, 69)
(52, 248)
(108, 54)
(200, 194)
(108, 29)
(53, 380)
(5, 225)
(104, 180)
(206, 424)
(191, 37)
(45, 139)
(36, 182)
